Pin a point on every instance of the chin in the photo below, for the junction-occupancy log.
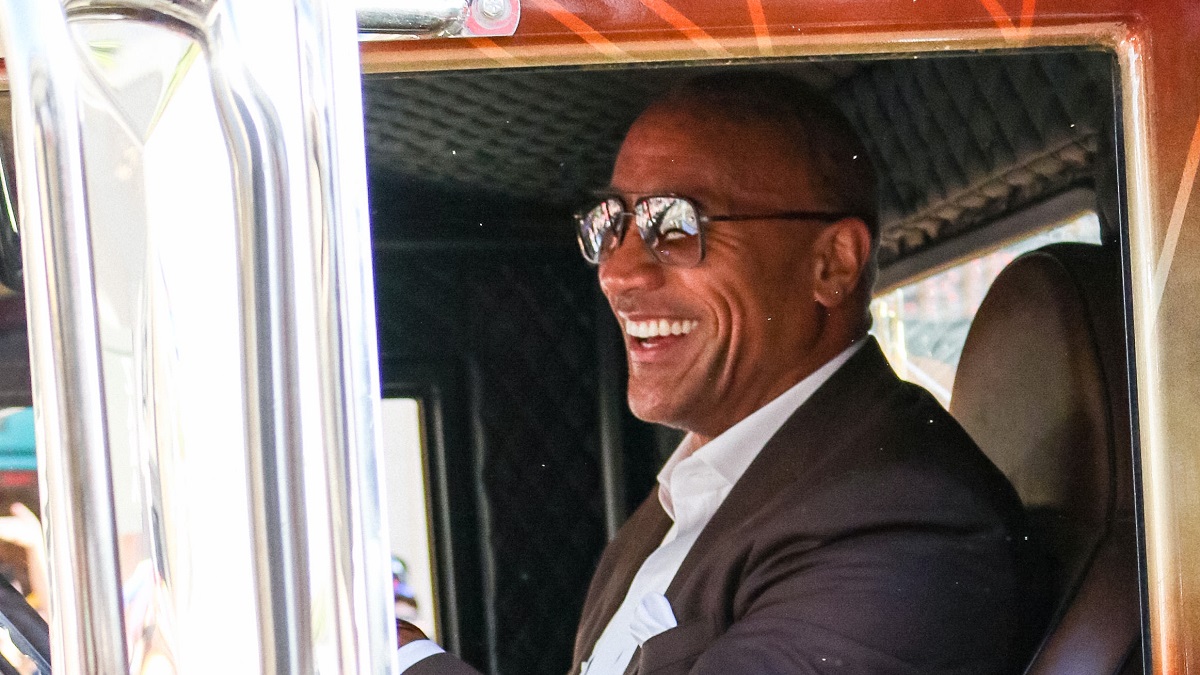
(655, 411)
(666, 410)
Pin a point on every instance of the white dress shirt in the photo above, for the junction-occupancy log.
(692, 486)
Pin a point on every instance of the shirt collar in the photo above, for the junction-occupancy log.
(730, 454)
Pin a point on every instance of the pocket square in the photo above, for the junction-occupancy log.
(652, 616)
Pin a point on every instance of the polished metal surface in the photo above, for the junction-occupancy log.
(200, 270)
(347, 354)
(1168, 424)
(293, 124)
(424, 19)
(433, 18)
(85, 595)
(165, 270)
(190, 12)
(253, 50)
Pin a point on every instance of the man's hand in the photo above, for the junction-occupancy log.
(21, 528)
(408, 632)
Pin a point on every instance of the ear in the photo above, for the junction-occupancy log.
(842, 251)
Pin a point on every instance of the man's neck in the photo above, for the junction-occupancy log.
(697, 439)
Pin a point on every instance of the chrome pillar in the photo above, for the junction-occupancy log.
(87, 633)
(249, 56)
(346, 327)
(225, 202)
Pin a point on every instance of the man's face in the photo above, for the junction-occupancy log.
(743, 321)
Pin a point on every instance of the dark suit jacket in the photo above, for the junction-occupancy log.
(870, 535)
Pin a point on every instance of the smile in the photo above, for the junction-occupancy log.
(659, 327)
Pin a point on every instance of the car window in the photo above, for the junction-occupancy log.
(408, 513)
(923, 325)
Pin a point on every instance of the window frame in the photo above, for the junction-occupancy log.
(452, 505)
(1134, 230)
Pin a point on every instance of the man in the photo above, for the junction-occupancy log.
(820, 515)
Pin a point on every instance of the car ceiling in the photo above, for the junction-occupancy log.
(960, 139)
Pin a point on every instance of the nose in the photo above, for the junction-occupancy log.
(629, 267)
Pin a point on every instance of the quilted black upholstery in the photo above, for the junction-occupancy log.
(546, 135)
(960, 139)
(963, 140)
(521, 325)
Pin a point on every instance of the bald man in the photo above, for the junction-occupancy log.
(820, 516)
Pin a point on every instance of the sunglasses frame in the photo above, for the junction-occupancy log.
(702, 221)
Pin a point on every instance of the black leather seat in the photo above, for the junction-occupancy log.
(1042, 388)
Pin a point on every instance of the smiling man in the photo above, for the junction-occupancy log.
(752, 247)
(820, 515)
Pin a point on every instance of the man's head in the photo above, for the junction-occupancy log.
(785, 278)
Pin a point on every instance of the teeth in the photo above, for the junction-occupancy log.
(659, 327)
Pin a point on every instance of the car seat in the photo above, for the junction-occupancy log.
(1042, 387)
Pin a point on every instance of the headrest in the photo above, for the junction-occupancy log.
(1041, 387)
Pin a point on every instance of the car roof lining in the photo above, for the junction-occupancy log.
(960, 140)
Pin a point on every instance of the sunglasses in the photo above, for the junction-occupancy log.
(672, 227)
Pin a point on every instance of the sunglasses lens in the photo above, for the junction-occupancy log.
(598, 229)
(672, 227)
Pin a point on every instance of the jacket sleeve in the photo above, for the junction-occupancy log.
(441, 664)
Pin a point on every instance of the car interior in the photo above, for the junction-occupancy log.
(997, 165)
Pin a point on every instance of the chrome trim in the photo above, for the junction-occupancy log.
(433, 18)
(284, 78)
(426, 19)
(251, 74)
(189, 12)
(377, 19)
(308, 319)
(347, 353)
(87, 623)
(1164, 448)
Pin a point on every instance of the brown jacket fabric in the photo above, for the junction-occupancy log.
(870, 535)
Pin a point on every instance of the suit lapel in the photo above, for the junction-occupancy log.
(642, 533)
(802, 451)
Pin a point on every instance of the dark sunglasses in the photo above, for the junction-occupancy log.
(672, 227)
